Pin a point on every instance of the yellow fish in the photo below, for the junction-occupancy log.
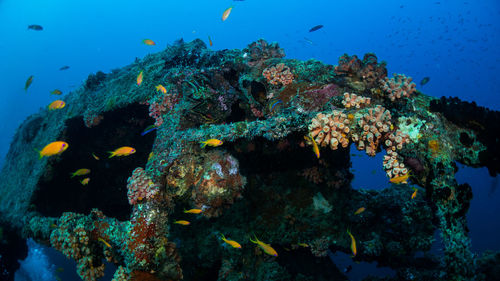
(161, 89)
(360, 210)
(265, 247)
(182, 222)
(305, 245)
(80, 172)
(28, 82)
(314, 144)
(122, 151)
(151, 154)
(400, 179)
(85, 181)
(210, 41)
(56, 92)
(193, 211)
(226, 13)
(104, 241)
(414, 194)
(211, 142)
(54, 148)
(139, 79)
(57, 104)
(148, 42)
(353, 244)
(233, 243)
(95, 156)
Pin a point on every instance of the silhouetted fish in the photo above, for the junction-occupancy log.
(424, 81)
(317, 27)
(35, 27)
(64, 67)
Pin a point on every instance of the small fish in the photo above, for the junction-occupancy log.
(85, 181)
(400, 179)
(53, 148)
(182, 222)
(57, 104)
(211, 142)
(226, 13)
(28, 82)
(308, 40)
(80, 172)
(317, 27)
(149, 129)
(148, 42)
(233, 243)
(360, 210)
(274, 104)
(150, 156)
(353, 244)
(95, 157)
(35, 27)
(314, 144)
(64, 67)
(104, 241)
(139, 79)
(193, 211)
(414, 194)
(161, 89)
(210, 41)
(265, 247)
(122, 151)
(56, 92)
(424, 81)
(305, 245)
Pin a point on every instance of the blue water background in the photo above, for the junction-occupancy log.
(455, 43)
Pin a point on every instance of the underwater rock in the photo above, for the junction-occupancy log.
(264, 180)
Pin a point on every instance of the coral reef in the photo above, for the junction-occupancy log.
(262, 181)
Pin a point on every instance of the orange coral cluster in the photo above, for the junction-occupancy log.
(330, 129)
(392, 166)
(395, 140)
(398, 86)
(372, 125)
(278, 74)
(353, 100)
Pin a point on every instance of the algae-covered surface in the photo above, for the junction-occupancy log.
(238, 169)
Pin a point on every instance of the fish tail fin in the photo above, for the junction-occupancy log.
(254, 241)
(223, 237)
(72, 175)
(111, 154)
(204, 144)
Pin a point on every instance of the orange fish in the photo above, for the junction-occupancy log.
(226, 13)
(104, 241)
(314, 144)
(85, 181)
(182, 222)
(193, 211)
(360, 210)
(210, 41)
(95, 156)
(353, 244)
(161, 89)
(211, 142)
(148, 42)
(265, 247)
(233, 243)
(80, 172)
(414, 194)
(400, 179)
(139, 79)
(122, 151)
(54, 148)
(57, 104)
(305, 245)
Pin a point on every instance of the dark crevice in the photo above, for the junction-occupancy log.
(57, 192)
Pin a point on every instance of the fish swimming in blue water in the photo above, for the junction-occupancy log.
(35, 27)
(317, 27)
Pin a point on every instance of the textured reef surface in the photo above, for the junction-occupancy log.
(281, 174)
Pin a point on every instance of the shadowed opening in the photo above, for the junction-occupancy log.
(58, 192)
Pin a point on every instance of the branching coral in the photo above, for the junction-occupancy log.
(398, 86)
(279, 74)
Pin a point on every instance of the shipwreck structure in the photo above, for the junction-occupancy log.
(280, 172)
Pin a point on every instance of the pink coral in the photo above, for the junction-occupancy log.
(140, 187)
(279, 74)
(398, 86)
(353, 100)
(330, 129)
(393, 166)
(371, 127)
(395, 140)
